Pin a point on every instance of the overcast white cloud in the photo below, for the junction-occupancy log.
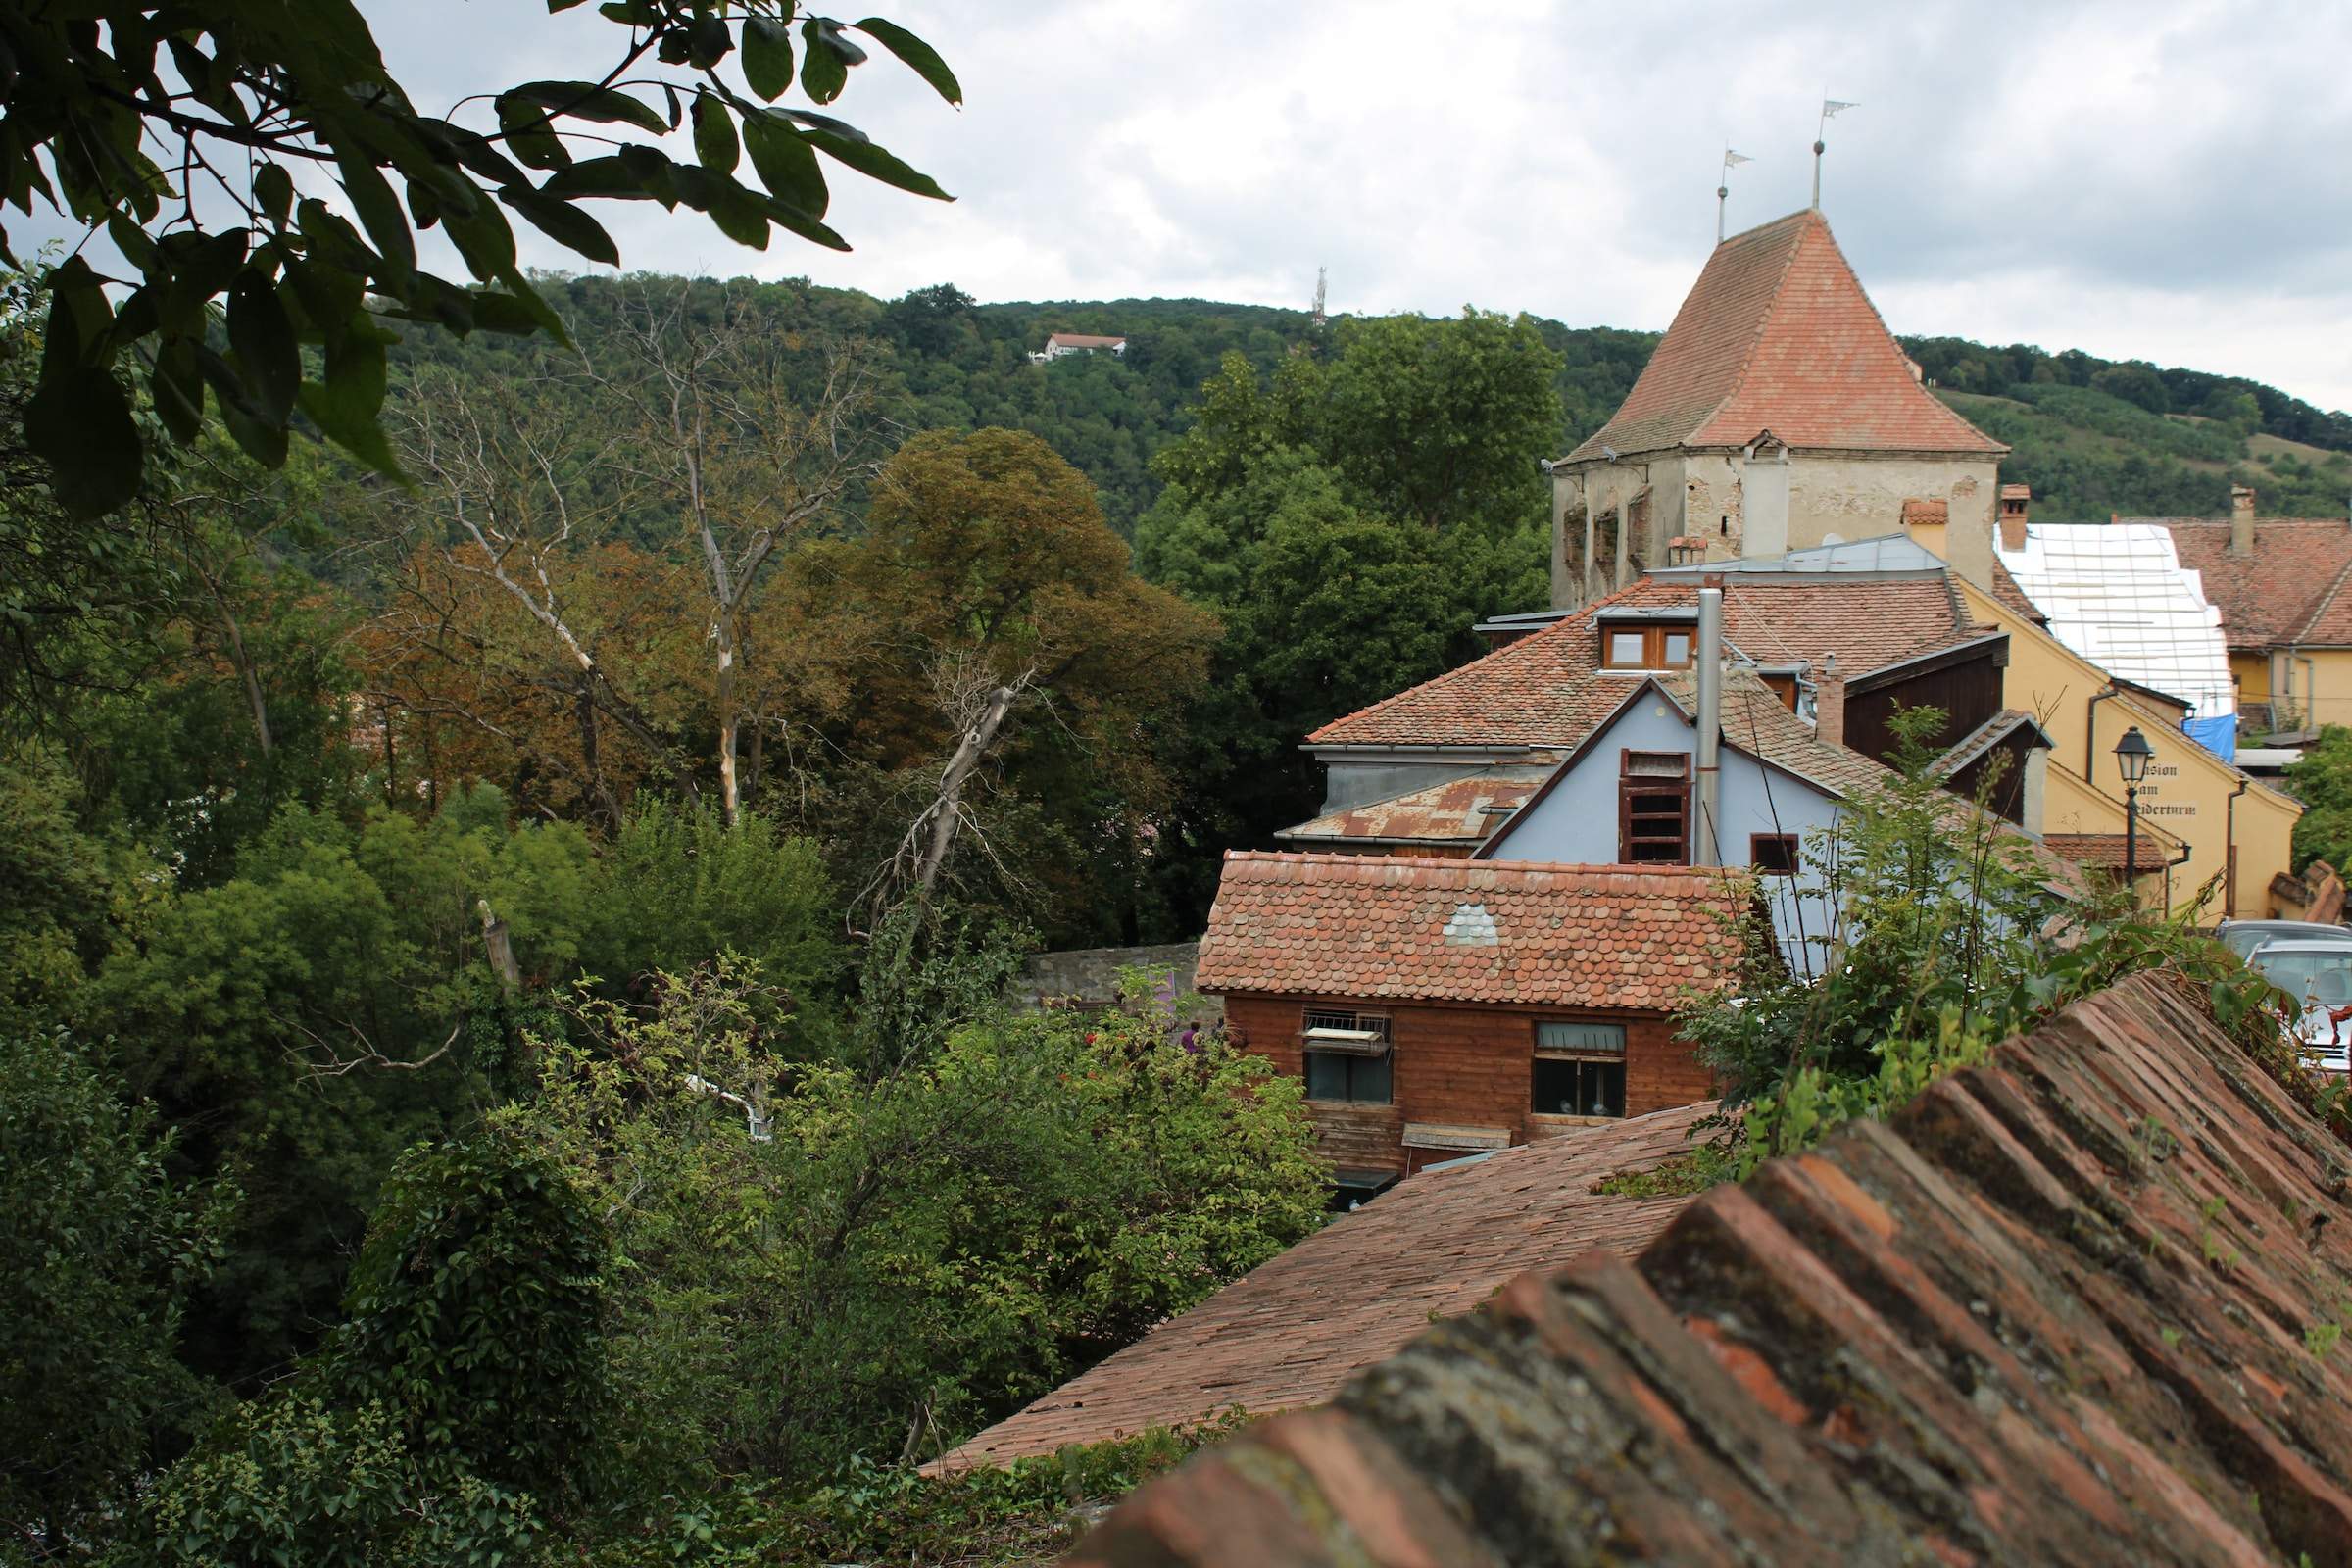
(2152, 180)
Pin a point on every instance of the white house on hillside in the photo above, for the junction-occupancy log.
(1062, 344)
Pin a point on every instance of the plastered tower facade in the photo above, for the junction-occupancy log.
(1778, 413)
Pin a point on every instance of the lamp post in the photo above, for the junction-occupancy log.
(2132, 757)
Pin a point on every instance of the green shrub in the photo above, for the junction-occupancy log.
(475, 1314)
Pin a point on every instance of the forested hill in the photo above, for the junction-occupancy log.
(2092, 436)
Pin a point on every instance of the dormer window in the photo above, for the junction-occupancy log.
(1647, 645)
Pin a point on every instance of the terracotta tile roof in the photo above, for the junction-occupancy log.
(2290, 590)
(1778, 335)
(2007, 591)
(1083, 340)
(1291, 1332)
(1547, 689)
(1516, 931)
(1977, 742)
(2074, 1305)
(2104, 852)
(1462, 810)
(1755, 722)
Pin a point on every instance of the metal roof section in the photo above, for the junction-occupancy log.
(2117, 594)
(1885, 555)
(1522, 620)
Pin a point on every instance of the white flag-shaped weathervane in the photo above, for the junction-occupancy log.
(1831, 106)
(1731, 158)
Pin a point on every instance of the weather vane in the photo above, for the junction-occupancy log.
(1829, 106)
(1723, 186)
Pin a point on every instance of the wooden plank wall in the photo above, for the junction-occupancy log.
(1466, 1063)
(1967, 692)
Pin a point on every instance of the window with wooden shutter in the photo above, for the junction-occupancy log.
(1654, 808)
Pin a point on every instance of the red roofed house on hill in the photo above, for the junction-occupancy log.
(1443, 1008)
(1778, 413)
(1060, 345)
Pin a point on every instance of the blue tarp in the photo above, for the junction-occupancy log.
(2217, 735)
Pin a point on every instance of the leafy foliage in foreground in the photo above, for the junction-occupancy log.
(105, 100)
(2322, 779)
(462, 1400)
(828, 1265)
(1943, 942)
(1014, 1516)
(99, 1248)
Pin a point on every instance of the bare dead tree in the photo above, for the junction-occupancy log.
(976, 706)
(511, 494)
(750, 461)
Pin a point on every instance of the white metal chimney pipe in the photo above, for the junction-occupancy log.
(1706, 848)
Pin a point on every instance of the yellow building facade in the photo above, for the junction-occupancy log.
(2233, 827)
(2304, 687)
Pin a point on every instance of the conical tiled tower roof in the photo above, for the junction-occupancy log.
(1778, 335)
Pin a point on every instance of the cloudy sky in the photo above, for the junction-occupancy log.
(2160, 179)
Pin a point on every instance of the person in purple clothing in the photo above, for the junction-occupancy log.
(1190, 1040)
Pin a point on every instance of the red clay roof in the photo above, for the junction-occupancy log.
(2007, 592)
(2104, 852)
(1508, 931)
(1084, 340)
(1291, 1332)
(1778, 335)
(2075, 1305)
(1547, 689)
(2290, 590)
(1461, 811)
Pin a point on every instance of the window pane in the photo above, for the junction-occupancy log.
(1677, 651)
(1326, 1076)
(1607, 1083)
(1555, 1089)
(1625, 650)
(1594, 1036)
(1371, 1079)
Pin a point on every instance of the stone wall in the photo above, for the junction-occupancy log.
(2081, 1304)
(1091, 975)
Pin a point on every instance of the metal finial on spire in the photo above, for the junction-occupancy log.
(1829, 106)
(1723, 190)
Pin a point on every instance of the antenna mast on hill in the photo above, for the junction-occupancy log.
(1722, 187)
(1322, 281)
(1829, 106)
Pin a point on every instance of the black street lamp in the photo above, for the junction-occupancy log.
(2132, 757)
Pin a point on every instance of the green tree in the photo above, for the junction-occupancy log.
(2322, 779)
(987, 567)
(476, 1313)
(61, 890)
(1350, 524)
(1441, 423)
(462, 1403)
(827, 1264)
(1928, 906)
(309, 1017)
(100, 1246)
(677, 888)
(107, 101)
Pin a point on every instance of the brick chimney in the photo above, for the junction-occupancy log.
(1829, 704)
(2015, 499)
(2241, 520)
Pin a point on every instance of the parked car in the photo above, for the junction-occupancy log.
(2318, 973)
(2243, 937)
